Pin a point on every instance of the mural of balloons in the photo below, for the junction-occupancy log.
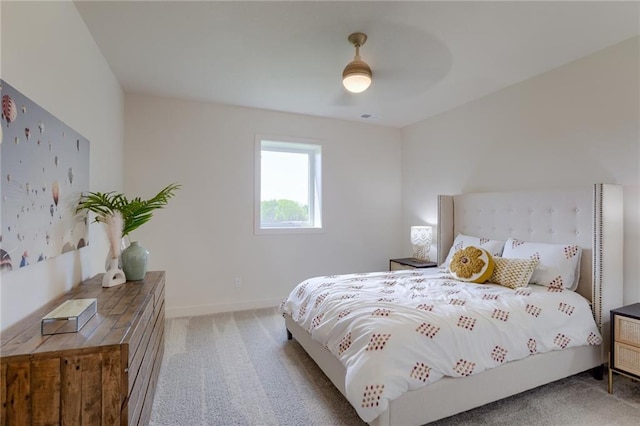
(9, 110)
(55, 192)
(39, 187)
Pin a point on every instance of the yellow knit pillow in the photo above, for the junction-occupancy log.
(513, 273)
(472, 264)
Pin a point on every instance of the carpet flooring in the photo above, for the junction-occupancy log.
(239, 369)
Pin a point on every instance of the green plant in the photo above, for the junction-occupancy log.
(135, 212)
(283, 211)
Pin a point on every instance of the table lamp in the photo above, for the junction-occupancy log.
(421, 237)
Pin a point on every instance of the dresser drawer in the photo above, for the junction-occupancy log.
(627, 330)
(627, 358)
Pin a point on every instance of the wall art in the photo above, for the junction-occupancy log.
(44, 169)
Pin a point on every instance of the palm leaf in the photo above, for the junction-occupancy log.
(135, 212)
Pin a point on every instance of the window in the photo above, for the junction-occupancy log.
(288, 185)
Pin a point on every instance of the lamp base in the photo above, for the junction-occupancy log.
(421, 254)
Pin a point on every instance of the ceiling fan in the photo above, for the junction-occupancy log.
(357, 75)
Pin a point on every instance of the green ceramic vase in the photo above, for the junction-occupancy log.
(134, 261)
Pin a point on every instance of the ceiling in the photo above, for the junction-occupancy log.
(427, 57)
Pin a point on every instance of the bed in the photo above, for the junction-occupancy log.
(588, 217)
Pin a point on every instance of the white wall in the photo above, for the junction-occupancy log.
(573, 125)
(49, 55)
(204, 238)
(570, 126)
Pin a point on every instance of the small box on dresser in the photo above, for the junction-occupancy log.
(69, 317)
(625, 343)
(104, 374)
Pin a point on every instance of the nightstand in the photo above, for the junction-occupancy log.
(625, 343)
(409, 263)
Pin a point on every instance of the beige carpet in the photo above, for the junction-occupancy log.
(239, 369)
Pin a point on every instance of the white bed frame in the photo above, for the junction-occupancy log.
(590, 217)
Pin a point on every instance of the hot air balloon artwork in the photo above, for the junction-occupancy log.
(45, 169)
(5, 261)
(25, 259)
(9, 110)
(55, 192)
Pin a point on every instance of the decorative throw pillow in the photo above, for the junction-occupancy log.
(494, 247)
(512, 273)
(558, 264)
(472, 264)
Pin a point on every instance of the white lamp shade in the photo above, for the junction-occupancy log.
(356, 83)
(421, 235)
(421, 240)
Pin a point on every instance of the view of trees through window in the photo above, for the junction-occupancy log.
(283, 211)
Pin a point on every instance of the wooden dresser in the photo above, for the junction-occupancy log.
(105, 374)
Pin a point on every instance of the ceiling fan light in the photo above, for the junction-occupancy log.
(356, 83)
(356, 77)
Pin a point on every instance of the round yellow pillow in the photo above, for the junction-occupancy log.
(472, 264)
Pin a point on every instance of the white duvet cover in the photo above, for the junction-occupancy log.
(401, 330)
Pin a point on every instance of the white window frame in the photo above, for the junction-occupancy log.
(289, 144)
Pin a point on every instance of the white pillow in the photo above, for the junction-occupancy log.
(494, 247)
(558, 264)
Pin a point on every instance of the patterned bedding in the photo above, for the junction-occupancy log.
(401, 330)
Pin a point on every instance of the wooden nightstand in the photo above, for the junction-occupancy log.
(409, 263)
(625, 343)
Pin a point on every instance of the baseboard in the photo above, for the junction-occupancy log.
(197, 310)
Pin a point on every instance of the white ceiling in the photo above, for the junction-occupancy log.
(427, 57)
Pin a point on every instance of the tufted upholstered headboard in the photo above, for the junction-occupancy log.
(589, 216)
